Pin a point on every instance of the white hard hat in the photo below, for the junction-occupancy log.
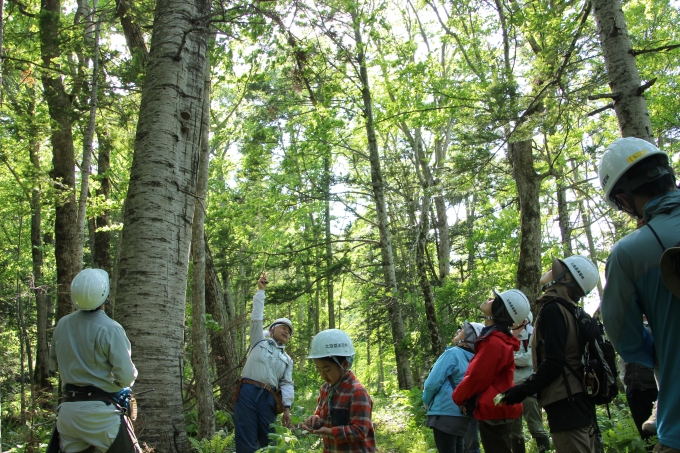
(284, 321)
(584, 272)
(90, 288)
(622, 154)
(472, 331)
(329, 343)
(516, 303)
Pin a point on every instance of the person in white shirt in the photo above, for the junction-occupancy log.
(267, 369)
(93, 357)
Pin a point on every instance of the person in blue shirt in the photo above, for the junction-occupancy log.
(449, 425)
(637, 178)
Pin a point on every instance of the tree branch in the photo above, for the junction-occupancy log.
(656, 49)
(601, 109)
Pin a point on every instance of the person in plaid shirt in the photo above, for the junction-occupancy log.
(343, 412)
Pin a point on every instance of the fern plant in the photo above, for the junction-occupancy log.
(219, 443)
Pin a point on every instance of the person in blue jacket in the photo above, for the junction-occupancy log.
(449, 424)
(637, 178)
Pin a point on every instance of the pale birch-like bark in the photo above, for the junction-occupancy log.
(404, 376)
(630, 104)
(154, 250)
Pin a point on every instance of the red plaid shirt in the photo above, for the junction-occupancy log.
(349, 416)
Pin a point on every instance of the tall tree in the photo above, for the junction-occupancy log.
(627, 92)
(159, 208)
(404, 375)
(204, 394)
(63, 155)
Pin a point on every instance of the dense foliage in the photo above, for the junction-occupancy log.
(302, 94)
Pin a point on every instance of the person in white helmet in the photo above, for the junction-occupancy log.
(637, 178)
(491, 370)
(268, 369)
(344, 408)
(531, 410)
(557, 356)
(92, 355)
(449, 424)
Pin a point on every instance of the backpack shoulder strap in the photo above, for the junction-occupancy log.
(663, 249)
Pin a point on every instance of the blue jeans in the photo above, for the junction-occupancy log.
(471, 439)
(253, 413)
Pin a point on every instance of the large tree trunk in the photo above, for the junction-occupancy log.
(401, 352)
(624, 79)
(204, 396)
(63, 158)
(159, 209)
(528, 186)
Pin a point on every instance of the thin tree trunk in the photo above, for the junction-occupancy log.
(67, 260)
(88, 136)
(624, 79)
(42, 366)
(398, 332)
(101, 252)
(528, 186)
(222, 344)
(159, 209)
(132, 31)
(425, 287)
(563, 219)
(329, 248)
(204, 396)
(381, 364)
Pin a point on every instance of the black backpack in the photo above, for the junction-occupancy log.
(599, 359)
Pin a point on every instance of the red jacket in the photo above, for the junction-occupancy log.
(490, 372)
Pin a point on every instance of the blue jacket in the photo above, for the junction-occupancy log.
(437, 389)
(634, 288)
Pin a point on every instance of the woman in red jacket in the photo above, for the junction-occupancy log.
(491, 370)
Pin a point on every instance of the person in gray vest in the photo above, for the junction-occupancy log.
(93, 357)
(267, 369)
(531, 411)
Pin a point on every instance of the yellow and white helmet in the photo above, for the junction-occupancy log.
(618, 158)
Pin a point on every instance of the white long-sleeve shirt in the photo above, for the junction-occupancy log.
(89, 348)
(267, 361)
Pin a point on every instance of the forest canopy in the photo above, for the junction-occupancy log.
(387, 163)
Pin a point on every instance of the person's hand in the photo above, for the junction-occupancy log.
(285, 418)
(515, 395)
(262, 282)
(468, 406)
(312, 424)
